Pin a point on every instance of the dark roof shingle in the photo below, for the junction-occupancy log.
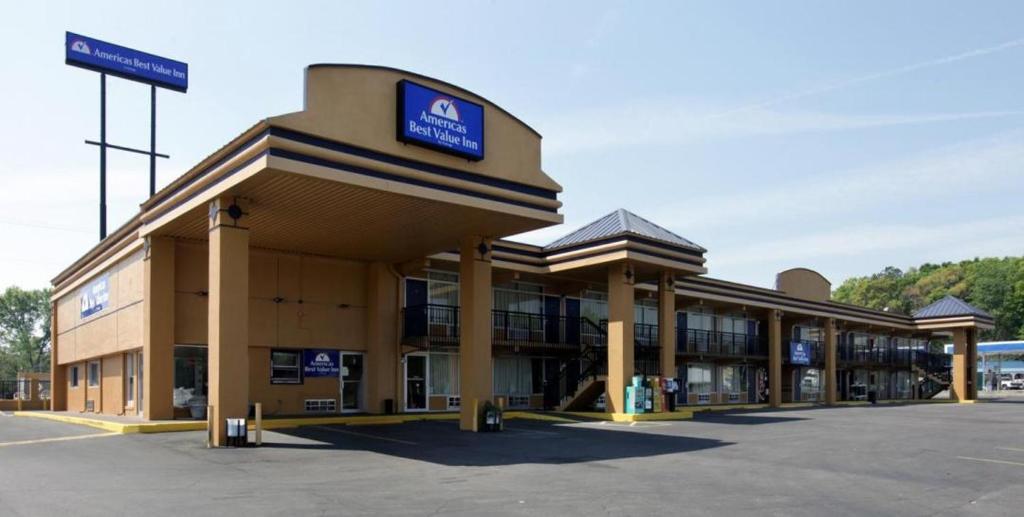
(949, 306)
(622, 222)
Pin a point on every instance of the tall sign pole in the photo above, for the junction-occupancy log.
(103, 156)
(110, 59)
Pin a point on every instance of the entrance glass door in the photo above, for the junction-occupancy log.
(130, 382)
(416, 382)
(351, 382)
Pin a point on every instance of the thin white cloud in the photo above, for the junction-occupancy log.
(979, 166)
(677, 122)
(992, 236)
(906, 69)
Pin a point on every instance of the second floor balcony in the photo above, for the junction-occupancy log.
(720, 343)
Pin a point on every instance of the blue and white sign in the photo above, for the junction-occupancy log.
(321, 363)
(439, 121)
(100, 56)
(95, 296)
(799, 353)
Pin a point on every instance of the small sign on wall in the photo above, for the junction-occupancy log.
(799, 353)
(95, 296)
(321, 363)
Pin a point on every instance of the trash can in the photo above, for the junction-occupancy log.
(873, 396)
(237, 431)
(491, 418)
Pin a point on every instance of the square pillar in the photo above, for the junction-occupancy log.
(667, 323)
(831, 345)
(775, 358)
(158, 329)
(620, 336)
(58, 373)
(228, 315)
(381, 336)
(475, 367)
(963, 388)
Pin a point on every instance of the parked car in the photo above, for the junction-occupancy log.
(1008, 382)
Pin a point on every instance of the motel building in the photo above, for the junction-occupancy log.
(352, 257)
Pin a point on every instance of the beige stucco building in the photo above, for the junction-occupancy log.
(317, 264)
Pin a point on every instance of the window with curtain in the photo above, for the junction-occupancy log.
(594, 306)
(805, 333)
(699, 320)
(810, 382)
(698, 379)
(734, 324)
(733, 379)
(442, 288)
(513, 376)
(444, 374)
(646, 311)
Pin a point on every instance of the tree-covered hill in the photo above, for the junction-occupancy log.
(995, 285)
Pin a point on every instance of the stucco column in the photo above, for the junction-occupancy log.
(620, 336)
(962, 388)
(972, 363)
(667, 323)
(831, 384)
(381, 336)
(228, 314)
(158, 329)
(475, 367)
(58, 373)
(775, 358)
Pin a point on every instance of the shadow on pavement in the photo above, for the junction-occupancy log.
(744, 418)
(521, 443)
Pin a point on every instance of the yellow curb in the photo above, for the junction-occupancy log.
(116, 427)
(630, 417)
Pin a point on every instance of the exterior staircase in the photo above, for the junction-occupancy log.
(586, 393)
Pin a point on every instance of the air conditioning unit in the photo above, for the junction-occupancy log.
(321, 405)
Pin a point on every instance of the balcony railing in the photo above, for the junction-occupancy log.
(437, 326)
(888, 356)
(712, 342)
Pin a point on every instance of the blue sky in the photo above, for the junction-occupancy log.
(840, 136)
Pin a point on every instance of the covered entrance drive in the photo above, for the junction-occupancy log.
(332, 181)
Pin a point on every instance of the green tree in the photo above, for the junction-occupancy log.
(24, 331)
(995, 285)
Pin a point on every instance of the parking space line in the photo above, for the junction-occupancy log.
(364, 435)
(986, 460)
(60, 439)
(1014, 449)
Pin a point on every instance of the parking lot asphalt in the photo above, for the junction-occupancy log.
(926, 459)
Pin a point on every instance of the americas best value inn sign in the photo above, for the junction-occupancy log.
(442, 122)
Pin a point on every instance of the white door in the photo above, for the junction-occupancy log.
(416, 378)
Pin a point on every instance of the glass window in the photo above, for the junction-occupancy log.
(74, 376)
(646, 311)
(94, 374)
(513, 376)
(190, 372)
(810, 382)
(734, 379)
(285, 367)
(698, 379)
(442, 288)
(805, 333)
(444, 374)
(594, 306)
(700, 320)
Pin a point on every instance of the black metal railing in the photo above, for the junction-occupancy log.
(523, 329)
(883, 355)
(431, 325)
(719, 343)
(8, 389)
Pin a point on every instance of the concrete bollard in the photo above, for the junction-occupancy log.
(258, 437)
(210, 428)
